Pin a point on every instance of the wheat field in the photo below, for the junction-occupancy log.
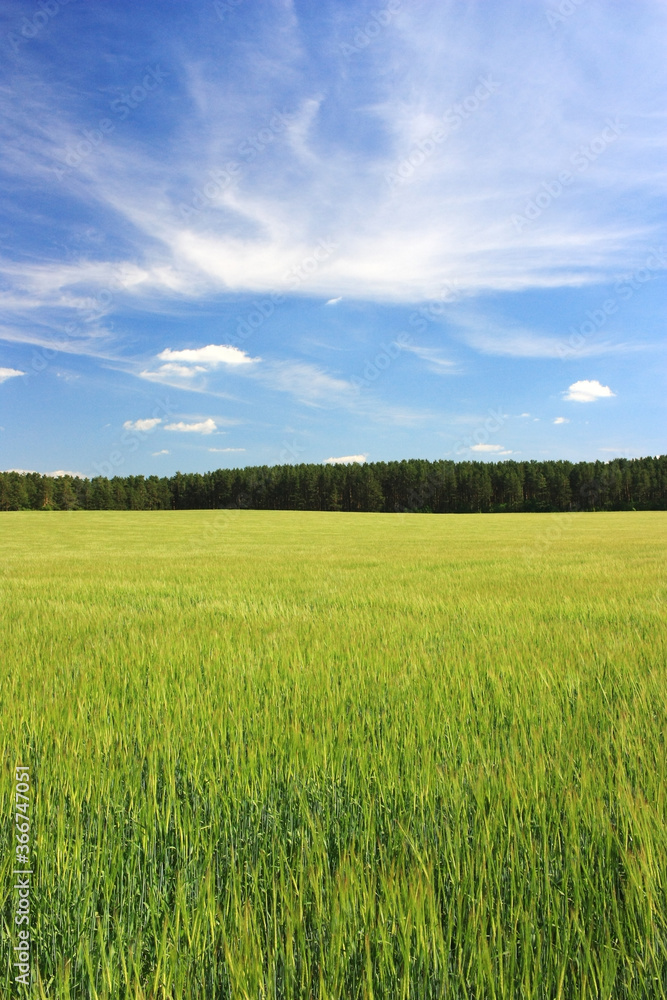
(299, 755)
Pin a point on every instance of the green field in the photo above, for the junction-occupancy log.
(283, 754)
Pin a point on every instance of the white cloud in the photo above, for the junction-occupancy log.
(222, 450)
(55, 474)
(524, 414)
(513, 341)
(188, 363)
(346, 460)
(142, 425)
(433, 358)
(7, 373)
(587, 391)
(200, 427)
(307, 383)
(561, 420)
(498, 449)
(310, 385)
(211, 355)
(164, 451)
(180, 371)
(451, 222)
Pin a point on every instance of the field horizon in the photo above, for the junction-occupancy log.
(442, 486)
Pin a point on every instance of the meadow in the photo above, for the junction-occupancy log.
(283, 754)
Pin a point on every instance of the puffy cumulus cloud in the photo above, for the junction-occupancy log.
(199, 427)
(142, 425)
(587, 391)
(210, 356)
(188, 363)
(7, 373)
(334, 302)
(561, 420)
(346, 460)
(164, 451)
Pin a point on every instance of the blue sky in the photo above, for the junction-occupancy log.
(241, 233)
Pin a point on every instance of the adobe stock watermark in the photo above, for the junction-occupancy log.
(76, 153)
(262, 309)
(422, 496)
(135, 432)
(624, 288)
(562, 521)
(31, 27)
(581, 160)
(430, 312)
(223, 178)
(226, 517)
(223, 8)
(433, 311)
(22, 871)
(291, 452)
(479, 439)
(374, 26)
(101, 303)
(562, 13)
(377, 365)
(452, 120)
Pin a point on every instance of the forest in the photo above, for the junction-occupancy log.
(414, 486)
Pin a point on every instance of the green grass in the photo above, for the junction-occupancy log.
(284, 754)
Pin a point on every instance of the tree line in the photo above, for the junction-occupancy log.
(413, 485)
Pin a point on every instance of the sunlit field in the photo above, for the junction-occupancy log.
(284, 754)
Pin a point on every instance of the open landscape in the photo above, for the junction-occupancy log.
(333, 500)
(300, 754)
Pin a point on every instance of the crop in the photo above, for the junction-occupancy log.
(295, 755)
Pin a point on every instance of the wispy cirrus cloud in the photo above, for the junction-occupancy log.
(502, 339)
(307, 382)
(449, 224)
(434, 359)
(312, 386)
